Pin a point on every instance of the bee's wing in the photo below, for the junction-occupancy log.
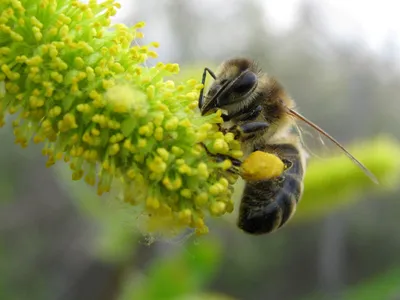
(298, 116)
(312, 141)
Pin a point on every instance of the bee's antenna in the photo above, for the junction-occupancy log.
(203, 82)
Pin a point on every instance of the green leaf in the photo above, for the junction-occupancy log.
(333, 183)
(208, 296)
(179, 275)
(383, 286)
(117, 237)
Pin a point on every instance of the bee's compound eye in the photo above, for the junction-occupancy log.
(245, 83)
(214, 89)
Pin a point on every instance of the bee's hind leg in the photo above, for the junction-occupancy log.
(240, 132)
(236, 163)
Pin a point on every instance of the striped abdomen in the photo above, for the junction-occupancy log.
(267, 205)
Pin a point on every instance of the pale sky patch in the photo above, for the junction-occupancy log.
(372, 20)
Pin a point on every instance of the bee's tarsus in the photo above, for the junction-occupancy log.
(221, 158)
(236, 163)
(234, 170)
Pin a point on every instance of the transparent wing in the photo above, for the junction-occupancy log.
(313, 142)
(317, 142)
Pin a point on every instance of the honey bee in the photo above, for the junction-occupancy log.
(256, 108)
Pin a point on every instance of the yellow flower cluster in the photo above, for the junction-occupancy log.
(74, 82)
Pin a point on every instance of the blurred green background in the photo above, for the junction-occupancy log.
(58, 240)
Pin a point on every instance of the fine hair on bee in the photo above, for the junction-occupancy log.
(257, 109)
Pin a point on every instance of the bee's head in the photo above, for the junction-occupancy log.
(235, 81)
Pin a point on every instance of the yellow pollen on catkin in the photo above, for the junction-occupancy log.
(89, 95)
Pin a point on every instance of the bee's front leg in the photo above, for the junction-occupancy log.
(245, 129)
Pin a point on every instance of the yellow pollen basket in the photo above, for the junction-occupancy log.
(261, 165)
